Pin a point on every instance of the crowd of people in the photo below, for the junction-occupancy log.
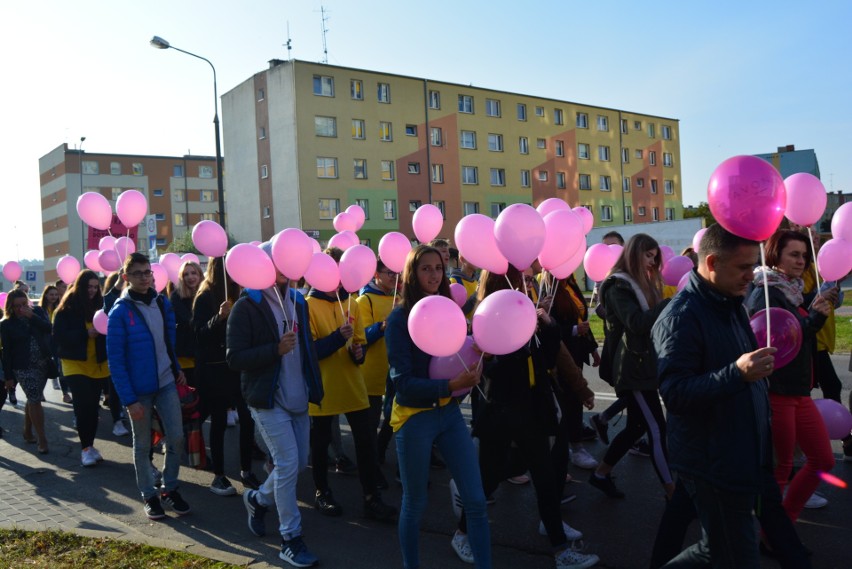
(289, 360)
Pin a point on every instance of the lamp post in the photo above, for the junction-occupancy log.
(83, 243)
(160, 43)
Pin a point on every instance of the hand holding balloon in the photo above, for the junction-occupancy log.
(346, 331)
(757, 364)
(287, 343)
(465, 379)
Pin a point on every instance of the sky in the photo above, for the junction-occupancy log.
(741, 77)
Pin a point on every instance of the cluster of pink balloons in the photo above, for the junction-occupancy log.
(599, 260)
(94, 209)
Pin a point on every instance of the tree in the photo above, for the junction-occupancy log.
(183, 244)
(702, 211)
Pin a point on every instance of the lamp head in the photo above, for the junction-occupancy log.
(159, 43)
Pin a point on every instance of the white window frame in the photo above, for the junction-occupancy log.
(206, 196)
(180, 219)
(436, 136)
(90, 167)
(625, 184)
(652, 130)
(356, 89)
(603, 123)
(652, 158)
(495, 142)
(541, 143)
(668, 187)
(332, 207)
(641, 211)
(359, 127)
(655, 214)
(605, 183)
(264, 171)
(606, 213)
(526, 179)
(542, 175)
(668, 162)
(625, 155)
(321, 126)
(582, 120)
(560, 148)
(584, 151)
(434, 99)
(466, 104)
(411, 130)
(625, 127)
(383, 92)
(560, 180)
(470, 175)
(523, 145)
(666, 132)
(521, 111)
(205, 172)
(655, 188)
(493, 108)
(385, 131)
(359, 164)
(413, 168)
(326, 86)
(603, 153)
(437, 173)
(584, 177)
(539, 111)
(329, 162)
(387, 170)
(389, 209)
(558, 117)
(497, 177)
(470, 207)
(467, 139)
(628, 213)
(669, 213)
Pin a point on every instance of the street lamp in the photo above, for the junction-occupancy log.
(83, 243)
(160, 43)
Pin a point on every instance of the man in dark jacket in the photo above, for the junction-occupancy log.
(269, 342)
(712, 382)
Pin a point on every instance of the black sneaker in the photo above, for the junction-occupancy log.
(344, 465)
(589, 434)
(256, 512)
(326, 504)
(641, 448)
(153, 508)
(296, 553)
(375, 509)
(601, 427)
(250, 481)
(221, 486)
(174, 501)
(606, 485)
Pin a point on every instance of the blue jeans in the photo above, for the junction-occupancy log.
(167, 404)
(445, 427)
(287, 436)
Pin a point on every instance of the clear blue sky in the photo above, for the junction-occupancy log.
(742, 77)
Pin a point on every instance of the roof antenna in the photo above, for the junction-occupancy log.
(324, 32)
(289, 44)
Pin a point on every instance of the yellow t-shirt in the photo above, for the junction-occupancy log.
(827, 334)
(400, 413)
(186, 362)
(669, 291)
(374, 308)
(91, 367)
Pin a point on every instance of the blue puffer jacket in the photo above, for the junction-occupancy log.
(718, 424)
(130, 349)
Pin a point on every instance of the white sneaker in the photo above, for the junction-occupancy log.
(570, 533)
(455, 499)
(87, 457)
(119, 430)
(582, 459)
(462, 547)
(570, 559)
(97, 454)
(816, 501)
(232, 418)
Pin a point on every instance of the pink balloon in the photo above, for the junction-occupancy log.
(550, 205)
(683, 281)
(696, 239)
(94, 210)
(837, 419)
(841, 222)
(256, 243)
(427, 222)
(171, 262)
(490, 330)
(315, 246)
(437, 326)
(747, 197)
(322, 273)
(3, 296)
(357, 213)
(393, 250)
(572, 264)
(250, 267)
(786, 333)
(806, 198)
(459, 294)
(598, 261)
(474, 236)
(344, 222)
(131, 207)
(587, 216)
(448, 367)
(834, 259)
(90, 259)
(675, 269)
(100, 321)
(357, 267)
(124, 247)
(563, 235)
(209, 238)
(519, 232)
(12, 271)
(161, 276)
(107, 243)
(109, 261)
(615, 250)
(192, 257)
(666, 252)
(68, 268)
(292, 251)
(344, 240)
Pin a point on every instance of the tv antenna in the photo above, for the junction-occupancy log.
(289, 44)
(323, 11)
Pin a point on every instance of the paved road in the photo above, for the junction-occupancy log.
(54, 491)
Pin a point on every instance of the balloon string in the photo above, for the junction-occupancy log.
(538, 298)
(816, 272)
(765, 294)
(458, 355)
(508, 281)
(339, 303)
(395, 287)
(225, 272)
(284, 310)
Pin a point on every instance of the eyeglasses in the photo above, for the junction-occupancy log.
(389, 273)
(140, 274)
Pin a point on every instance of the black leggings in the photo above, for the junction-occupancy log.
(221, 391)
(364, 433)
(644, 414)
(86, 393)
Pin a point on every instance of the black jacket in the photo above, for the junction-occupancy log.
(72, 339)
(185, 334)
(718, 424)
(209, 329)
(15, 336)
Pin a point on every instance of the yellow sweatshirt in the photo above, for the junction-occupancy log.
(827, 334)
(374, 307)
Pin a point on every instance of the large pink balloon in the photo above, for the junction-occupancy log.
(572, 264)
(474, 236)
(393, 250)
(696, 239)
(250, 267)
(3, 296)
(107, 243)
(344, 240)
(161, 276)
(427, 222)
(109, 261)
(841, 222)
(209, 238)
(666, 253)
(562, 237)
(806, 198)
(837, 419)
(587, 216)
(786, 333)
(459, 294)
(12, 271)
(550, 205)
(519, 232)
(437, 326)
(747, 197)
(100, 321)
(90, 259)
(357, 212)
(490, 330)
(357, 267)
(124, 247)
(598, 261)
(171, 262)
(322, 273)
(67, 268)
(94, 210)
(192, 257)
(131, 207)
(683, 281)
(315, 246)
(675, 268)
(345, 222)
(292, 251)
(448, 367)
(834, 259)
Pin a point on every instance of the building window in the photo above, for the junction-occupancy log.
(471, 207)
(434, 99)
(606, 213)
(358, 129)
(625, 184)
(603, 153)
(177, 171)
(653, 186)
(90, 167)
(413, 205)
(160, 216)
(323, 86)
(383, 92)
(582, 120)
(497, 207)
(359, 166)
(605, 184)
(411, 130)
(325, 126)
(560, 148)
(414, 167)
(666, 131)
(267, 212)
(652, 131)
(365, 205)
(628, 213)
(328, 208)
(390, 209)
(158, 193)
(524, 145)
(583, 151)
(441, 207)
(492, 107)
(637, 125)
(560, 180)
(525, 178)
(261, 95)
(385, 131)
(115, 168)
(205, 172)
(624, 127)
(652, 158)
(262, 133)
(207, 217)
(585, 181)
(467, 139)
(539, 111)
(522, 112)
(625, 155)
(470, 175)
(115, 192)
(387, 170)
(137, 169)
(668, 187)
(436, 136)
(206, 196)
(655, 213)
(669, 214)
(641, 211)
(667, 159)
(466, 104)
(637, 154)
(498, 177)
(180, 219)
(542, 175)
(326, 167)
(495, 142)
(178, 195)
(438, 173)
(541, 143)
(603, 123)
(356, 89)
(640, 182)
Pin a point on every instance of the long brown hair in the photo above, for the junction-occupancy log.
(181, 288)
(492, 282)
(564, 308)
(411, 291)
(77, 296)
(43, 300)
(632, 262)
(10, 298)
(213, 281)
